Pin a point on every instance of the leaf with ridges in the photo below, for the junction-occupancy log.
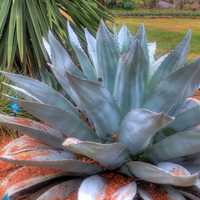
(125, 38)
(188, 117)
(152, 52)
(183, 82)
(107, 56)
(136, 137)
(154, 174)
(181, 144)
(173, 194)
(155, 65)
(40, 91)
(60, 58)
(92, 51)
(94, 98)
(34, 153)
(67, 122)
(175, 60)
(86, 65)
(60, 191)
(108, 155)
(132, 74)
(13, 187)
(35, 129)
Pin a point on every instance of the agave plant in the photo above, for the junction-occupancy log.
(124, 114)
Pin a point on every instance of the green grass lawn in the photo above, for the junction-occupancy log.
(166, 31)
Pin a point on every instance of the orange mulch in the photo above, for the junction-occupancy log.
(72, 196)
(5, 168)
(24, 174)
(114, 182)
(156, 192)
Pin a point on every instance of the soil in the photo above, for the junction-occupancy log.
(5, 168)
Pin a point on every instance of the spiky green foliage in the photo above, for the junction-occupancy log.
(124, 111)
(23, 23)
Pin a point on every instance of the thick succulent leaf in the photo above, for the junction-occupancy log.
(40, 91)
(132, 74)
(92, 188)
(173, 194)
(34, 129)
(107, 56)
(183, 82)
(155, 65)
(138, 137)
(64, 82)
(61, 63)
(174, 61)
(188, 117)
(152, 52)
(61, 191)
(60, 58)
(127, 192)
(181, 144)
(154, 174)
(26, 151)
(142, 37)
(67, 122)
(125, 38)
(190, 196)
(25, 179)
(108, 155)
(86, 65)
(92, 50)
(144, 195)
(99, 105)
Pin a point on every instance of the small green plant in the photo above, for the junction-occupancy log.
(124, 112)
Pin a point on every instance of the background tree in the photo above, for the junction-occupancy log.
(23, 24)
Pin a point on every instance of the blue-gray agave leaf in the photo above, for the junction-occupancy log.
(40, 155)
(42, 92)
(125, 39)
(173, 194)
(175, 146)
(183, 82)
(86, 66)
(164, 173)
(108, 155)
(107, 56)
(13, 190)
(60, 57)
(99, 105)
(67, 122)
(141, 36)
(132, 74)
(126, 192)
(139, 127)
(34, 129)
(144, 194)
(92, 51)
(152, 52)
(188, 117)
(91, 188)
(61, 191)
(174, 61)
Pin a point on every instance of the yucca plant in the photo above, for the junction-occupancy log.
(23, 23)
(127, 121)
